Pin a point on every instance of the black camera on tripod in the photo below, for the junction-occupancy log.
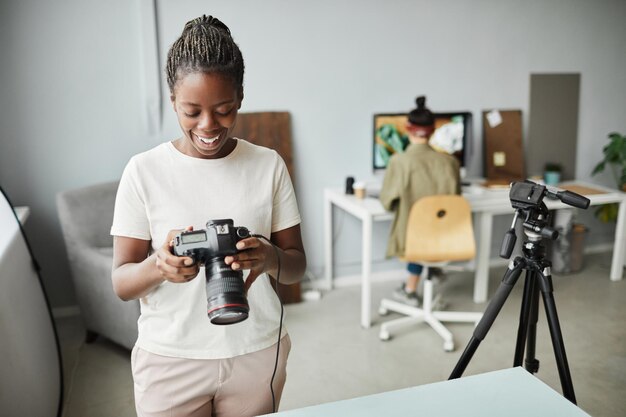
(226, 298)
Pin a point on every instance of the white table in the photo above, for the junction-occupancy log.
(485, 205)
(512, 392)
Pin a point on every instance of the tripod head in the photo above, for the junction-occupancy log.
(527, 200)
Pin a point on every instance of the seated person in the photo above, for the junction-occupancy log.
(418, 172)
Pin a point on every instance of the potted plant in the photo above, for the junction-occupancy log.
(552, 173)
(615, 158)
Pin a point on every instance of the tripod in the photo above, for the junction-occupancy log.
(526, 198)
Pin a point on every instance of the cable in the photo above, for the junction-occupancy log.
(45, 296)
(280, 324)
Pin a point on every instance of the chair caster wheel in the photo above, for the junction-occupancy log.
(383, 311)
(384, 336)
(448, 346)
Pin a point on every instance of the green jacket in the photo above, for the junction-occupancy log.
(418, 172)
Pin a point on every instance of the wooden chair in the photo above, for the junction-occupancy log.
(439, 231)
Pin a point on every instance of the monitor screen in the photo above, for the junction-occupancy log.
(452, 135)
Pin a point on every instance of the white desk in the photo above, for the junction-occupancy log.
(509, 392)
(485, 206)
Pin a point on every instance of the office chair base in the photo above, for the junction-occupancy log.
(418, 315)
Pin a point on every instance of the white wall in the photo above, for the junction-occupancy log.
(71, 113)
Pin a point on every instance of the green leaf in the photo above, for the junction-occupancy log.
(614, 155)
(599, 168)
(613, 152)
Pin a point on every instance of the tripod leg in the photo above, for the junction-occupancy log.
(495, 305)
(529, 288)
(555, 333)
(531, 363)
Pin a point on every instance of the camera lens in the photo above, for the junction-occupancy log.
(226, 298)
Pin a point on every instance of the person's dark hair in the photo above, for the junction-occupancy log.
(205, 45)
(421, 116)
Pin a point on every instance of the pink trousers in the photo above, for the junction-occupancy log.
(178, 387)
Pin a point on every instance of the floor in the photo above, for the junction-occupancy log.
(333, 358)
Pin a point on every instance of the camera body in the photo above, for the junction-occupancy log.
(226, 297)
(218, 239)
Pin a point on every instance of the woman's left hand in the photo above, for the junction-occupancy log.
(254, 254)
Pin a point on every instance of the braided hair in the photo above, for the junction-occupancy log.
(205, 45)
(421, 116)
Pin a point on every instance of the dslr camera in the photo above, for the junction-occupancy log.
(226, 298)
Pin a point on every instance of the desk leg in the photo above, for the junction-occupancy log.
(328, 242)
(366, 271)
(617, 265)
(481, 279)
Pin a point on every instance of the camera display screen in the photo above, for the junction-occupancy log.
(193, 237)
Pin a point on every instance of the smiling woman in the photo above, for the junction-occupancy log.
(205, 175)
(206, 106)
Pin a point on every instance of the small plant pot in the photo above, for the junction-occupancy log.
(552, 177)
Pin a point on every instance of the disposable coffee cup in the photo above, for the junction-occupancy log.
(359, 189)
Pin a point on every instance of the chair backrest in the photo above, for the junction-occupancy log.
(440, 229)
(86, 214)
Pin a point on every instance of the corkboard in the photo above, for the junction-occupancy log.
(272, 130)
(503, 147)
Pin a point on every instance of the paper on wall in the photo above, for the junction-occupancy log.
(494, 118)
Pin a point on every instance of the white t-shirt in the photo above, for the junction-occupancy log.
(163, 189)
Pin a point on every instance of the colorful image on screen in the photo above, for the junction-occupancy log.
(450, 136)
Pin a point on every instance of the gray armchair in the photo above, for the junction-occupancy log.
(86, 215)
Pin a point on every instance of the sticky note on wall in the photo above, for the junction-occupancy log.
(499, 159)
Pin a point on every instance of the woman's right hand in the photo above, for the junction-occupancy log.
(177, 269)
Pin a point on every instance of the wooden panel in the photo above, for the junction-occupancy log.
(269, 129)
(272, 130)
(580, 189)
(504, 152)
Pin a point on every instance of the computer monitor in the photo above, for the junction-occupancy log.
(452, 135)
